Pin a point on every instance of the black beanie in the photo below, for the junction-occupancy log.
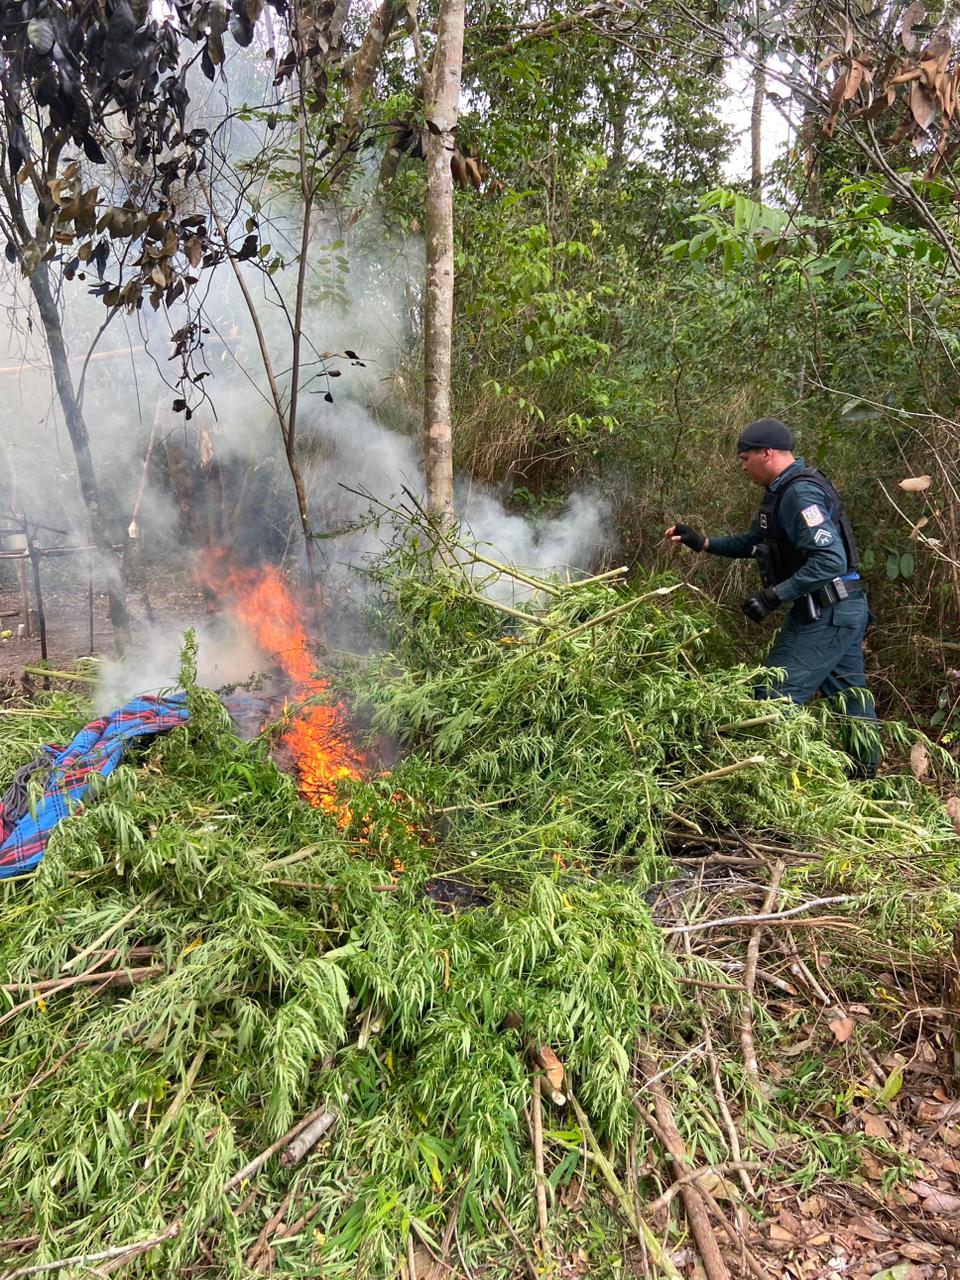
(765, 433)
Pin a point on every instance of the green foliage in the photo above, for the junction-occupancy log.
(301, 965)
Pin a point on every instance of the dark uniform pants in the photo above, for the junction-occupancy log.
(826, 657)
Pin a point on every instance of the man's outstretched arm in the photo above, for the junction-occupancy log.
(736, 546)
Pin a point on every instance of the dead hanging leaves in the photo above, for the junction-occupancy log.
(468, 171)
(922, 87)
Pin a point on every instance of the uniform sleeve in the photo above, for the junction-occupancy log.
(737, 546)
(805, 519)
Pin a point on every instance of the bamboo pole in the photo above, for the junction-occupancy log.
(513, 572)
(61, 675)
(727, 769)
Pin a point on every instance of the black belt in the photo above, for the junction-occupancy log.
(836, 591)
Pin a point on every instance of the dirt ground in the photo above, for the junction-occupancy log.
(174, 605)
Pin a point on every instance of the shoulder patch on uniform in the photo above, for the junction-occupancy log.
(823, 537)
(813, 515)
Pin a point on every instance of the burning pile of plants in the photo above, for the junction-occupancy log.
(531, 1002)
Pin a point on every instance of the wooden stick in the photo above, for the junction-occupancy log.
(308, 1138)
(531, 1270)
(678, 817)
(296, 1227)
(19, 1242)
(764, 975)
(696, 1211)
(107, 934)
(262, 1243)
(37, 713)
(513, 572)
(736, 1238)
(598, 577)
(773, 918)
(170, 1232)
(753, 723)
(691, 1175)
(53, 986)
(733, 1136)
(611, 613)
(412, 1273)
(639, 1225)
(256, 1164)
(727, 769)
(540, 1176)
(728, 842)
(750, 976)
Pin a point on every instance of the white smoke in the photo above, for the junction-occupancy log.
(364, 290)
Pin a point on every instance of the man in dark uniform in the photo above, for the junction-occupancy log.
(805, 550)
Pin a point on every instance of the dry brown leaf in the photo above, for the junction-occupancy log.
(795, 1050)
(813, 1207)
(781, 1234)
(870, 1229)
(459, 169)
(720, 1188)
(923, 105)
(914, 12)
(942, 1202)
(789, 1221)
(839, 92)
(876, 1127)
(919, 761)
(918, 1251)
(923, 1188)
(916, 484)
(552, 1066)
(474, 173)
(854, 78)
(938, 49)
(194, 251)
(953, 812)
(843, 1028)
(921, 524)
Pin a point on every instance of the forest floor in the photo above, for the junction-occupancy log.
(175, 603)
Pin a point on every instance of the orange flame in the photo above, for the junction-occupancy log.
(263, 603)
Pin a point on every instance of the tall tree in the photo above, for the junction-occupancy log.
(83, 90)
(756, 112)
(441, 106)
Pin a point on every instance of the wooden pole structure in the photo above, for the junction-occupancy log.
(38, 592)
(90, 598)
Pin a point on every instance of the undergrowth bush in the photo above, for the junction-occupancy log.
(547, 751)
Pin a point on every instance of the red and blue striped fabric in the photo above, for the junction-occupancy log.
(97, 749)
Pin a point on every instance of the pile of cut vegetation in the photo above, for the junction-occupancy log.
(531, 1002)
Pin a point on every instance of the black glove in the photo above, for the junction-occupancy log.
(760, 606)
(689, 537)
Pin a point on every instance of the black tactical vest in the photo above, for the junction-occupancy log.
(777, 557)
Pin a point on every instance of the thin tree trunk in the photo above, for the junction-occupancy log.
(80, 440)
(756, 132)
(368, 59)
(307, 189)
(441, 102)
